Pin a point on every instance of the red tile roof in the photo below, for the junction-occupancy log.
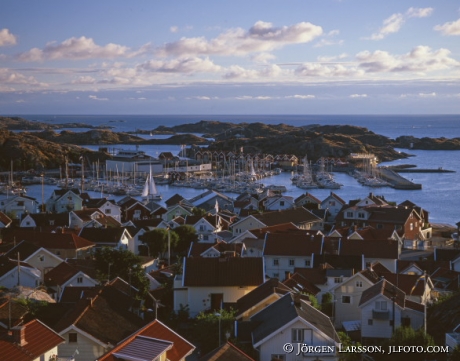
(49, 240)
(40, 339)
(226, 352)
(60, 274)
(372, 249)
(156, 329)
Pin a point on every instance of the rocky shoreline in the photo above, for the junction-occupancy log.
(47, 147)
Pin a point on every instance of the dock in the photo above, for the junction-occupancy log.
(396, 181)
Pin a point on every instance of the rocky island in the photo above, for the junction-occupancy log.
(32, 143)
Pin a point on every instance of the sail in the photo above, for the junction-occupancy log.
(145, 191)
(150, 188)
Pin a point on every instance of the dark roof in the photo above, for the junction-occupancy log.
(223, 272)
(175, 199)
(354, 262)
(372, 249)
(280, 244)
(60, 274)
(260, 293)
(446, 254)
(299, 283)
(102, 235)
(11, 311)
(51, 220)
(385, 288)
(294, 215)
(226, 352)
(277, 315)
(316, 275)
(24, 248)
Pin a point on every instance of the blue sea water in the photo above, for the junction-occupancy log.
(440, 191)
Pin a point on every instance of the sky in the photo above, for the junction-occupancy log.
(230, 57)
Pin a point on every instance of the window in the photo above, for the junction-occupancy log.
(276, 275)
(346, 299)
(202, 228)
(360, 215)
(41, 258)
(73, 338)
(379, 226)
(307, 263)
(281, 203)
(297, 334)
(411, 226)
(338, 280)
(108, 211)
(370, 322)
(21, 203)
(276, 262)
(276, 356)
(381, 305)
(359, 283)
(291, 262)
(349, 214)
(79, 279)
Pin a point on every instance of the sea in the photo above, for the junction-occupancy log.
(440, 193)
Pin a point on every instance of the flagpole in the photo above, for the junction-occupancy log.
(424, 305)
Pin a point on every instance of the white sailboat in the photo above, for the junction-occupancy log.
(150, 190)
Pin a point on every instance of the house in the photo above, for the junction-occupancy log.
(107, 237)
(133, 210)
(308, 201)
(279, 203)
(227, 351)
(38, 257)
(96, 324)
(206, 227)
(333, 203)
(300, 217)
(284, 252)
(91, 217)
(201, 249)
(209, 199)
(300, 284)
(207, 283)
(177, 210)
(64, 200)
(155, 341)
(347, 295)
(17, 206)
(292, 320)
(45, 222)
(33, 341)
(259, 298)
(156, 210)
(107, 207)
(65, 275)
(5, 221)
(17, 273)
(384, 308)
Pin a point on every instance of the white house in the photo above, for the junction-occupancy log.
(16, 206)
(107, 207)
(279, 203)
(64, 200)
(207, 283)
(17, 273)
(291, 320)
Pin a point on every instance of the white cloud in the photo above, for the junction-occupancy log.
(8, 76)
(6, 38)
(419, 12)
(78, 49)
(452, 28)
(427, 95)
(174, 29)
(185, 65)
(262, 58)
(238, 72)
(390, 25)
(261, 37)
(326, 59)
(249, 97)
(297, 96)
(84, 80)
(358, 96)
(394, 23)
(326, 70)
(419, 59)
(327, 39)
(94, 97)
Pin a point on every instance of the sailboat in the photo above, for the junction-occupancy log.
(150, 190)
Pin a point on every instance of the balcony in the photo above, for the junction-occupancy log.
(381, 314)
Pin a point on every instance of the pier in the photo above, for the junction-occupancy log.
(396, 181)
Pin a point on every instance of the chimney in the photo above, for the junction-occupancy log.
(19, 335)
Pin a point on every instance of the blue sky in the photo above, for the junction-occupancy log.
(230, 57)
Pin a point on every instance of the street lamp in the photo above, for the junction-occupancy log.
(220, 317)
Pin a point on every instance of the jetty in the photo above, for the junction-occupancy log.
(396, 181)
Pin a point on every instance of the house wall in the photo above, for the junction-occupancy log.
(110, 209)
(280, 204)
(44, 262)
(416, 318)
(279, 271)
(27, 278)
(199, 298)
(274, 345)
(48, 354)
(88, 349)
(134, 242)
(205, 231)
(349, 311)
(379, 328)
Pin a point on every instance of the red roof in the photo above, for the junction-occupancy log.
(40, 339)
(180, 349)
(279, 244)
(49, 240)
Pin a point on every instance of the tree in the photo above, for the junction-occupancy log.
(187, 234)
(113, 262)
(157, 241)
(199, 211)
(346, 341)
(326, 304)
(208, 323)
(314, 302)
(407, 336)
